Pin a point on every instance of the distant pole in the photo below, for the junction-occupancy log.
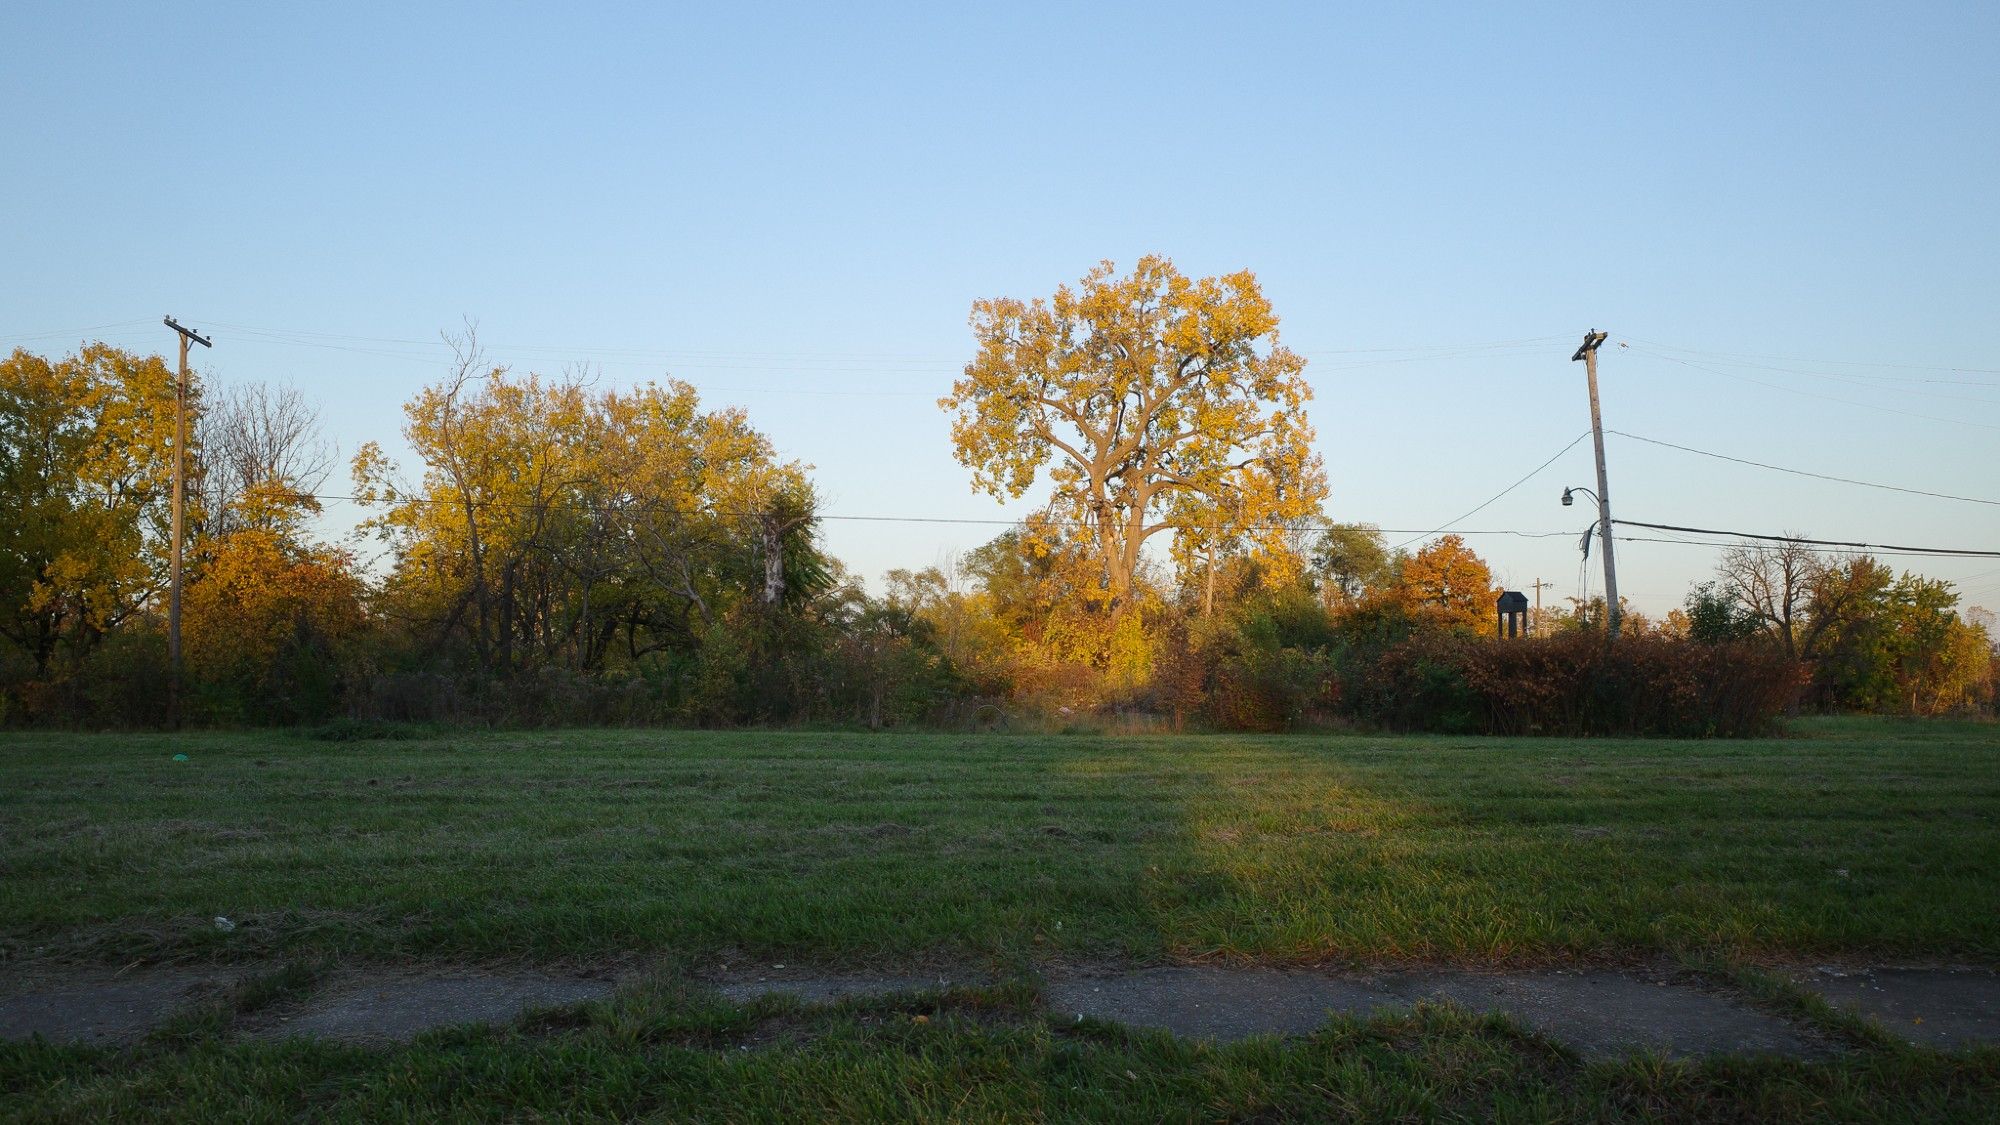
(1539, 586)
(1588, 354)
(180, 507)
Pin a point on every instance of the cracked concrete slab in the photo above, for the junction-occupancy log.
(1598, 1014)
(1606, 1014)
(1222, 1004)
(825, 988)
(1944, 1008)
(379, 1007)
(102, 1007)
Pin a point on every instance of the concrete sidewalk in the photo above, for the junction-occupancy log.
(1596, 1012)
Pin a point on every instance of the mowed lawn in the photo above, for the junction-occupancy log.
(1870, 839)
(679, 850)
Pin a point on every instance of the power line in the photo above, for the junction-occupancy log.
(315, 338)
(30, 336)
(1758, 542)
(1811, 394)
(1523, 342)
(1497, 495)
(1805, 473)
(1252, 527)
(1773, 547)
(410, 350)
(1939, 551)
(833, 516)
(1896, 384)
(696, 357)
(1835, 362)
(277, 336)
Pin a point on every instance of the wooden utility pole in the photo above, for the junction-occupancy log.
(1587, 352)
(1539, 587)
(180, 508)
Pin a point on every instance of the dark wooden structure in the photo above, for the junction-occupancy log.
(1513, 621)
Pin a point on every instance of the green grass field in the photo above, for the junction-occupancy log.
(1851, 839)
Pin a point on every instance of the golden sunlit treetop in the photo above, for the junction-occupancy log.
(1158, 403)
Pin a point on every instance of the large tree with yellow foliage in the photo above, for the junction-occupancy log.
(1158, 403)
(85, 455)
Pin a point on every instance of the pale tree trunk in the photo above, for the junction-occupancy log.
(774, 560)
(1208, 593)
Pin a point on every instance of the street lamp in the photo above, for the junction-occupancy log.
(1611, 612)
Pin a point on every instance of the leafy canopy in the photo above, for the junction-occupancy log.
(1158, 403)
(1449, 585)
(85, 465)
(551, 519)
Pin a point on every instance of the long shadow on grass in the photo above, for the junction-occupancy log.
(1533, 850)
(550, 846)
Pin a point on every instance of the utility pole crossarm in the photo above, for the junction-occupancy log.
(1592, 340)
(189, 333)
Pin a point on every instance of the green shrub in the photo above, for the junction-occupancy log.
(1416, 684)
(1261, 683)
(1264, 666)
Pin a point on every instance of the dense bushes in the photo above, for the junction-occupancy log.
(1268, 666)
(1280, 662)
(123, 683)
(1575, 684)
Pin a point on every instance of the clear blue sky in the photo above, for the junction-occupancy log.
(794, 208)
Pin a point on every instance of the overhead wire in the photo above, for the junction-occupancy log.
(1489, 500)
(408, 349)
(1833, 362)
(398, 348)
(30, 336)
(1713, 546)
(1812, 394)
(1894, 384)
(693, 357)
(1949, 552)
(1804, 472)
(835, 516)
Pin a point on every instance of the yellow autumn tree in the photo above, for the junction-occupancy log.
(503, 458)
(552, 522)
(85, 464)
(1158, 404)
(272, 625)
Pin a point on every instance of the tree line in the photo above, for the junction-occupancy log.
(560, 553)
